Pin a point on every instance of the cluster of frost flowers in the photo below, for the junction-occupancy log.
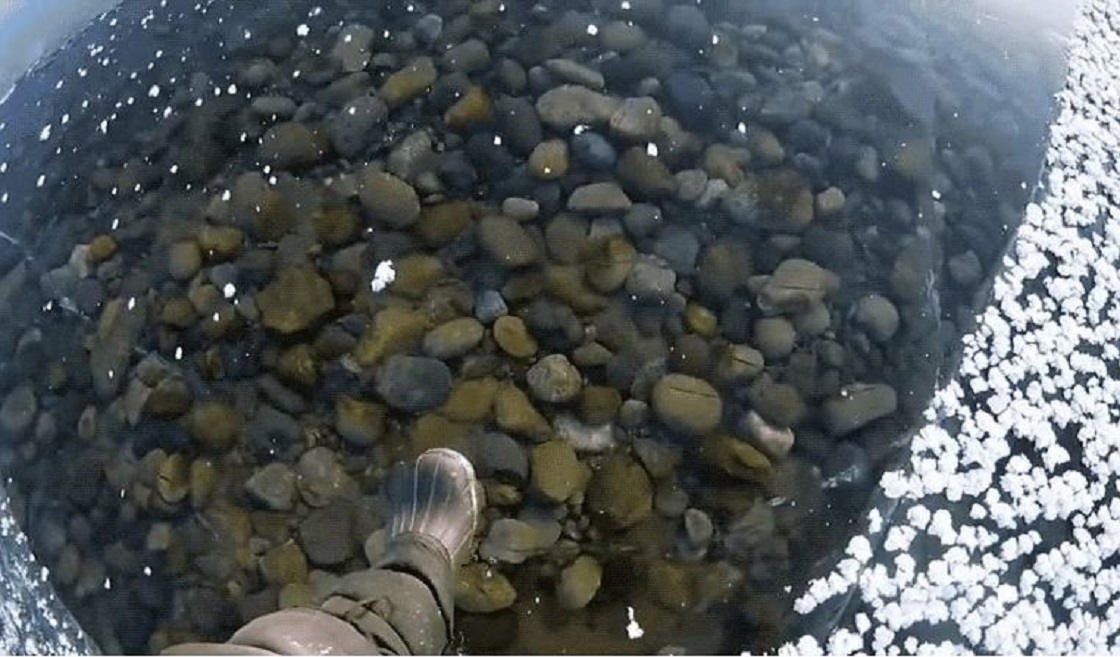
(1004, 535)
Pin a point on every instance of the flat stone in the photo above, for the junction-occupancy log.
(688, 26)
(642, 220)
(687, 404)
(351, 50)
(660, 458)
(737, 458)
(765, 147)
(549, 160)
(471, 401)
(216, 425)
(622, 36)
(679, 247)
(295, 300)
(359, 422)
(554, 379)
(637, 119)
(599, 404)
(584, 438)
(556, 472)
(471, 111)
(725, 163)
(858, 405)
(409, 82)
(520, 209)
(691, 97)
(650, 280)
(609, 262)
(18, 411)
(173, 482)
(830, 202)
(184, 259)
(878, 316)
(795, 285)
(482, 589)
(326, 535)
(388, 199)
(507, 241)
(776, 442)
(965, 269)
(284, 564)
(321, 478)
(496, 455)
(278, 107)
(645, 176)
(698, 527)
(737, 364)
(394, 330)
(778, 403)
(292, 145)
(579, 583)
(273, 486)
(775, 337)
(593, 150)
(414, 384)
(598, 197)
(513, 338)
(514, 412)
(620, 492)
(441, 224)
(510, 541)
(453, 339)
(567, 106)
(576, 73)
(489, 306)
(352, 129)
(518, 123)
(690, 184)
(470, 56)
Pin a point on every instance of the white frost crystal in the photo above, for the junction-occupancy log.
(987, 512)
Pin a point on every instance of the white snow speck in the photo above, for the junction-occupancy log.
(383, 276)
(633, 630)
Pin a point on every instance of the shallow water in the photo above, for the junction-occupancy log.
(632, 251)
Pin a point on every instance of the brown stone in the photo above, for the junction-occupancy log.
(442, 223)
(513, 338)
(471, 401)
(294, 300)
(394, 330)
(514, 413)
(471, 111)
(549, 160)
(409, 82)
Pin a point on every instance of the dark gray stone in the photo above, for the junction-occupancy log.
(352, 128)
(518, 123)
(326, 535)
(414, 384)
(642, 219)
(689, 27)
(593, 150)
(679, 247)
(691, 98)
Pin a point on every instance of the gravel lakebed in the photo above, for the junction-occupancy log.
(668, 275)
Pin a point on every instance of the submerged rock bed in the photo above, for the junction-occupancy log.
(668, 277)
